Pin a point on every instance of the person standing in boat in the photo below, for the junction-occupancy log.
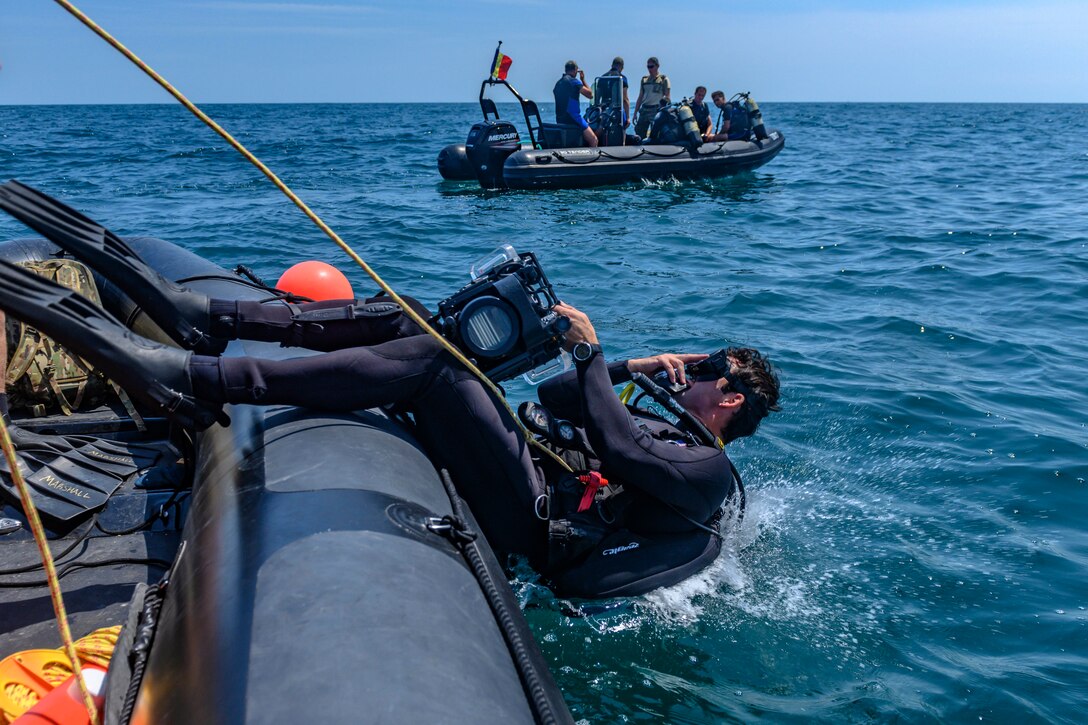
(614, 71)
(568, 91)
(672, 483)
(700, 110)
(721, 133)
(654, 93)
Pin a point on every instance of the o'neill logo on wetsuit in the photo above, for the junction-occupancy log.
(620, 549)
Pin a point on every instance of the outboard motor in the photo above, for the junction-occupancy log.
(689, 125)
(489, 144)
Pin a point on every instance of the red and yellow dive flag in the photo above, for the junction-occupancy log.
(501, 67)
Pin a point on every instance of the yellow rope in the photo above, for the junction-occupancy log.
(415, 317)
(31, 512)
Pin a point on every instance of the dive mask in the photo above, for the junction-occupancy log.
(714, 367)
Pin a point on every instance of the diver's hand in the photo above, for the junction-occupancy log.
(671, 363)
(581, 329)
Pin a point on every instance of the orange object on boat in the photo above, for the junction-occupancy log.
(64, 704)
(27, 677)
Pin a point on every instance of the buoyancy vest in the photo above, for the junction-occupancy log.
(740, 126)
(574, 533)
(666, 127)
(593, 554)
(654, 89)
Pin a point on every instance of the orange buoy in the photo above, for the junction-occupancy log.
(316, 280)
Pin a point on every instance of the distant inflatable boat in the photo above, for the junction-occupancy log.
(494, 156)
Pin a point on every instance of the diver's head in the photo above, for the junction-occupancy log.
(617, 63)
(700, 94)
(571, 68)
(719, 98)
(652, 65)
(731, 392)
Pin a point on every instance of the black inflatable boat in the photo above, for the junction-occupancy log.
(294, 569)
(494, 156)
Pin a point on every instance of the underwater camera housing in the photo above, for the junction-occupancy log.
(503, 320)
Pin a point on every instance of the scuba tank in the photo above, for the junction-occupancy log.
(688, 124)
(755, 116)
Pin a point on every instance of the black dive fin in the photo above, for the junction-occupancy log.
(52, 496)
(173, 308)
(115, 457)
(140, 455)
(153, 373)
(60, 485)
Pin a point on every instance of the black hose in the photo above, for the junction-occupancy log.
(170, 503)
(519, 640)
(77, 565)
(38, 565)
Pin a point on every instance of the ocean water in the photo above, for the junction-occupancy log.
(915, 546)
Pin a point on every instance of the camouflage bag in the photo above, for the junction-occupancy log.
(42, 375)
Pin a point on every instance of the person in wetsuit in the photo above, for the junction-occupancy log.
(721, 133)
(700, 110)
(379, 357)
(374, 356)
(567, 93)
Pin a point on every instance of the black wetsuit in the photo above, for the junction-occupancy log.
(377, 360)
(385, 360)
(701, 112)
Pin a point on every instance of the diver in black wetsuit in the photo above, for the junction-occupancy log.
(377, 356)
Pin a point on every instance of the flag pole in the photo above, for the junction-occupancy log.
(495, 60)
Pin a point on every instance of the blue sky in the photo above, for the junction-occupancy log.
(424, 50)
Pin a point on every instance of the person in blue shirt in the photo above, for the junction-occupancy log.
(568, 91)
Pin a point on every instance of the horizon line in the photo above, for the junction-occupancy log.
(476, 103)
